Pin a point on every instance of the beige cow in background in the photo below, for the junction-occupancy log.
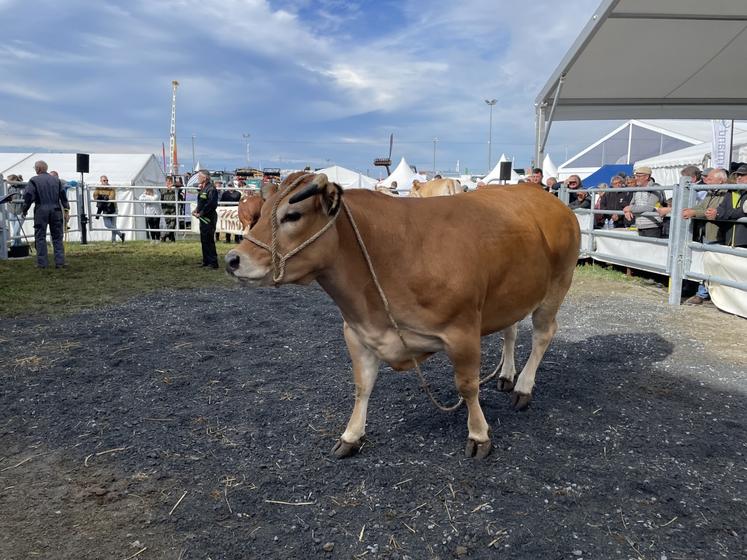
(435, 187)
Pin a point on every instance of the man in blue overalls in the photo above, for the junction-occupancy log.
(47, 195)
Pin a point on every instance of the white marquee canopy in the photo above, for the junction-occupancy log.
(679, 59)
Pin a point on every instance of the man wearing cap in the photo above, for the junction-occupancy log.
(644, 201)
(733, 207)
(707, 232)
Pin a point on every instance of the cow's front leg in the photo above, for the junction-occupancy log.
(466, 360)
(365, 371)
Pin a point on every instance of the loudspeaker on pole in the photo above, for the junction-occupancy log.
(505, 171)
(81, 163)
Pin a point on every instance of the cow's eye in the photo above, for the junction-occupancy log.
(291, 217)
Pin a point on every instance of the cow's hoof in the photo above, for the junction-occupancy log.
(520, 400)
(505, 385)
(344, 449)
(476, 449)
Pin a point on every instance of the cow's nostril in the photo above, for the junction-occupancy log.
(232, 262)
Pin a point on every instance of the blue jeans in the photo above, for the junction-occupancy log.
(110, 222)
(702, 290)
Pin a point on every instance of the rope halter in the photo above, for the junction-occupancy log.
(277, 259)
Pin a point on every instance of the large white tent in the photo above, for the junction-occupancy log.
(666, 168)
(549, 169)
(122, 169)
(635, 140)
(651, 59)
(132, 172)
(495, 173)
(347, 178)
(403, 175)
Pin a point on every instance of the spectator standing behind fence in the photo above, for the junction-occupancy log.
(665, 211)
(612, 201)
(152, 211)
(47, 195)
(709, 232)
(15, 207)
(582, 201)
(105, 197)
(731, 208)
(644, 201)
(168, 208)
(207, 202)
(574, 185)
(231, 196)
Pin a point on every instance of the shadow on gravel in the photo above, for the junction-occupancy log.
(621, 454)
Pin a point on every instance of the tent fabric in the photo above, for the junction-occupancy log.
(666, 168)
(654, 59)
(604, 175)
(122, 169)
(347, 178)
(549, 169)
(124, 172)
(404, 175)
(9, 160)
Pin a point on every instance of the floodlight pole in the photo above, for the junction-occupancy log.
(246, 146)
(490, 102)
(435, 140)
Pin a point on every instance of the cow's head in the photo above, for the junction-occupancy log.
(415, 189)
(305, 205)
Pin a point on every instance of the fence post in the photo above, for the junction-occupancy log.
(3, 222)
(678, 240)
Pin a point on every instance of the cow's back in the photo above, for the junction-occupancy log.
(501, 249)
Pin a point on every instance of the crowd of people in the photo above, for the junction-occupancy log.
(634, 206)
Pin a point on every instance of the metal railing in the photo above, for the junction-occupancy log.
(678, 247)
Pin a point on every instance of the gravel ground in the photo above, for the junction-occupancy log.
(190, 425)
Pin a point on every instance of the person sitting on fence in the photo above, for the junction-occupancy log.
(104, 196)
(168, 207)
(707, 232)
(644, 201)
(152, 211)
(231, 196)
(733, 207)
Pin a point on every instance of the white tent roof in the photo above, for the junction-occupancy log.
(122, 169)
(404, 176)
(549, 169)
(666, 167)
(347, 178)
(495, 173)
(8, 160)
(654, 59)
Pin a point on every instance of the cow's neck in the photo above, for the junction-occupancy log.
(348, 280)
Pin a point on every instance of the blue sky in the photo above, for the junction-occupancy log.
(311, 82)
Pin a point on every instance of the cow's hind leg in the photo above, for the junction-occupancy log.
(507, 365)
(466, 361)
(365, 372)
(544, 327)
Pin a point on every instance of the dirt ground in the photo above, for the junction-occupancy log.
(198, 425)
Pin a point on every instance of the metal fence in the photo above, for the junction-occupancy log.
(674, 255)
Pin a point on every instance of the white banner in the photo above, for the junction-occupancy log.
(723, 132)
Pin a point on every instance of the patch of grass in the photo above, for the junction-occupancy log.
(103, 273)
(592, 271)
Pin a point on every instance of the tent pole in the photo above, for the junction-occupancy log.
(546, 129)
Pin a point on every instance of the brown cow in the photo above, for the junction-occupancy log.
(250, 205)
(508, 252)
(435, 187)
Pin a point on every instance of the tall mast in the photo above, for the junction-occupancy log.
(174, 162)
